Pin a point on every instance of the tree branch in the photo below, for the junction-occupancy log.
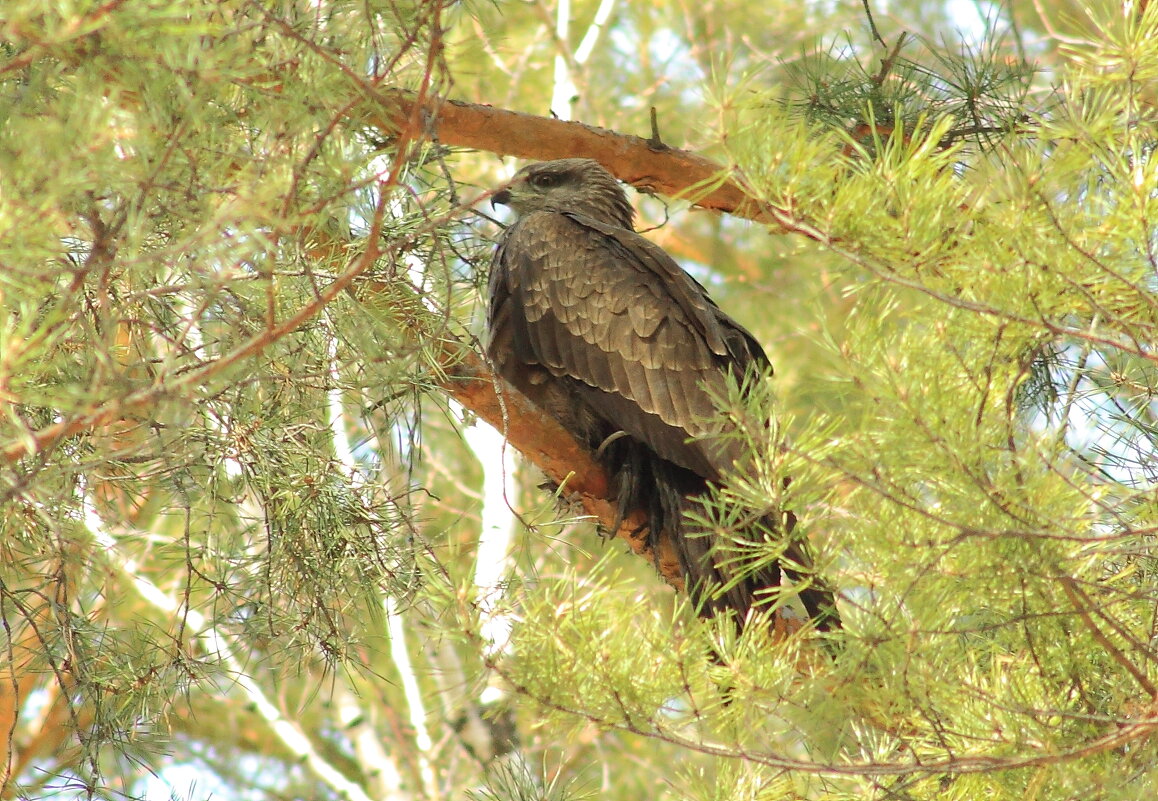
(633, 159)
(550, 448)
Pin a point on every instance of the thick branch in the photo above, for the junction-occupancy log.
(549, 447)
(633, 159)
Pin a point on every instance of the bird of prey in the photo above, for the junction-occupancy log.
(601, 329)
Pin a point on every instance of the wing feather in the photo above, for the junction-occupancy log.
(549, 349)
(608, 308)
(659, 388)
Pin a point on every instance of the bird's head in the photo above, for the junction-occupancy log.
(579, 186)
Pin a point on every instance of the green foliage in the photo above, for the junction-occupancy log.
(516, 782)
(983, 94)
(252, 531)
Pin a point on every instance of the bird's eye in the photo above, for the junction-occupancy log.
(545, 180)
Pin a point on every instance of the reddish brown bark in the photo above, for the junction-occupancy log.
(643, 163)
(550, 448)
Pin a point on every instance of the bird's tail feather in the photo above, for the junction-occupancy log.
(720, 577)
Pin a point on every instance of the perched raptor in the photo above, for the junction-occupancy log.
(607, 334)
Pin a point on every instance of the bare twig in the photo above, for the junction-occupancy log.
(890, 61)
(868, 12)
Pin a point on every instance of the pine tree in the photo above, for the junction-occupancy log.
(256, 531)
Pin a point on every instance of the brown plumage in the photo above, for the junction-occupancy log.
(606, 333)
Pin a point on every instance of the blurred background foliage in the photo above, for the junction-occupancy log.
(250, 547)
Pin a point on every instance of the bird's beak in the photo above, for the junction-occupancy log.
(503, 196)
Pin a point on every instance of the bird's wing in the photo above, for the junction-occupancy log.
(610, 309)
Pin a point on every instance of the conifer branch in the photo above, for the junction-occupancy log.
(220, 644)
(632, 159)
